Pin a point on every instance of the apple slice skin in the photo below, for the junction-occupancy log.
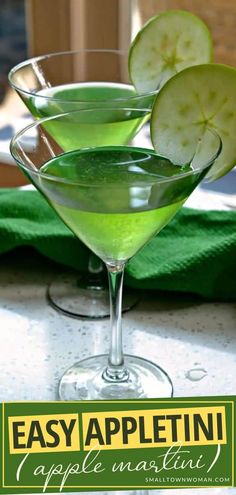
(197, 98)
(168, 43)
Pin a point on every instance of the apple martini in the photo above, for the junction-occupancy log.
(60, 82)
(115, 199)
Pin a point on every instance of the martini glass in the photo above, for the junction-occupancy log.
(61, 82)
(115, 199)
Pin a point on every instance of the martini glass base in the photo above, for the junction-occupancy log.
(74, 296)
(85, 381)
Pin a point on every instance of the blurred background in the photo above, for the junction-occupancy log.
(34, 27)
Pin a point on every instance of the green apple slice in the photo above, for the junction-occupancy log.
(167, 44)
(198, 98)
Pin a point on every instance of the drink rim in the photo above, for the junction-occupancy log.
(37, 172)
(34, 60)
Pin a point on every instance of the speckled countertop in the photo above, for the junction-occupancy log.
(194, 341)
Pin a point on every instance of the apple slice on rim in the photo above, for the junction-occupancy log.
(167, 44)
(198, 98)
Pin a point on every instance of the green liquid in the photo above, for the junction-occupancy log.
(90, 128)
(120, 197)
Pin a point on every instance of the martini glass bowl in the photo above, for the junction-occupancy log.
(61, 82)
(115, 199)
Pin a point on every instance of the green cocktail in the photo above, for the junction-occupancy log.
(115, 219)
(114, 199)
(66, 81)
(62, 82)
(56, 100)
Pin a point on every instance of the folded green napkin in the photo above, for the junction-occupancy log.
(195, 253)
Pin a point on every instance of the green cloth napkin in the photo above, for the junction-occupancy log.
(195, 253)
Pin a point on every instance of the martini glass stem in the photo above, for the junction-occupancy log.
(95, 265)
(96, 278)
(116, 370)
